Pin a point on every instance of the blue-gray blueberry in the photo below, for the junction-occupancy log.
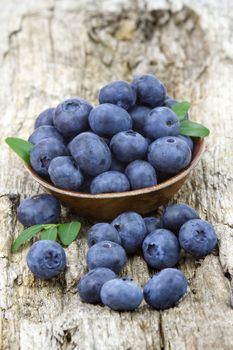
(121, 294)
(46, 259)
(161, 249)
(39, 209)
(165, 289)
(90, 285)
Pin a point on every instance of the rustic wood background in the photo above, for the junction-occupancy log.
(51, 50)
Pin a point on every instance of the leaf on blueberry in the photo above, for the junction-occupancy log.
(189, 128)
(50, 234)
(25, 236)
(68, 232)
(181, 108)
(21, 147)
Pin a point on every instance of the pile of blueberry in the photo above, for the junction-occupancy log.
(160, 239)
(130, 140)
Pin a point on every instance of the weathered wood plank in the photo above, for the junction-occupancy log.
(51, 50)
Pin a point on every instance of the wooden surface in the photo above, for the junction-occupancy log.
(51, 50)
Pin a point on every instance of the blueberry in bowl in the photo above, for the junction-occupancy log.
(106, 206)
(131, 152)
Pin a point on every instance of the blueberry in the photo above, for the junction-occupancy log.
(170, 102)
(150, 91)
(91, 153)
(161, 121)
(102, 232)
(121, 294)
(165, 289)
(65, 173)
(141, 174)
(71, 117)
(132, 230)
(188, 140)
(161, 249)
(169, 155)
(128, 146)
(152, 223)
(138, 114)
(45, 118)
(117, 165)
(44, 132)
(119, 93)
(43, 152)
(106, 254)
(110, 181)
(46, 259)
(174, 216)
(108, 119)
(39, 209)
(197, 237)
(90, 284)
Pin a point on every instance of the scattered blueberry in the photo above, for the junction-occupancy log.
(43, 152)
(152, 223)
(197, 237)
(110, 181)
(121, 294)
(119, 93)
(141, 174)
(71, 117)
(165, 289)
(132, 230)
(90, 284)
(45, 118)
(128, 146)
(102, 232)
(108, 119)
(65, 173)
(161, 121)
(161, 249)
(91, 153)
(106, 254)
(138, 114)
(46, 259)
(43, 132)
(174, 216)
(150, 91)
(39, 209)
(169, 154)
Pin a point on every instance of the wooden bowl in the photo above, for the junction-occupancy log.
(108, 205)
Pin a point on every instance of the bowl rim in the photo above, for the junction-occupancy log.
(199, 143)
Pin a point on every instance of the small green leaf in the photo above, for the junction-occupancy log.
(189, 128)
(68, 232)
(181, 108)
(21, 147)
(25, 236)
(50, 234)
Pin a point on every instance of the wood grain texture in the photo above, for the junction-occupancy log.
(51, 50)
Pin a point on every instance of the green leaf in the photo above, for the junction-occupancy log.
(68, 232)
(50, 233)
(25, 236)
(189, 128)
(181, 108)
(21, 147)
